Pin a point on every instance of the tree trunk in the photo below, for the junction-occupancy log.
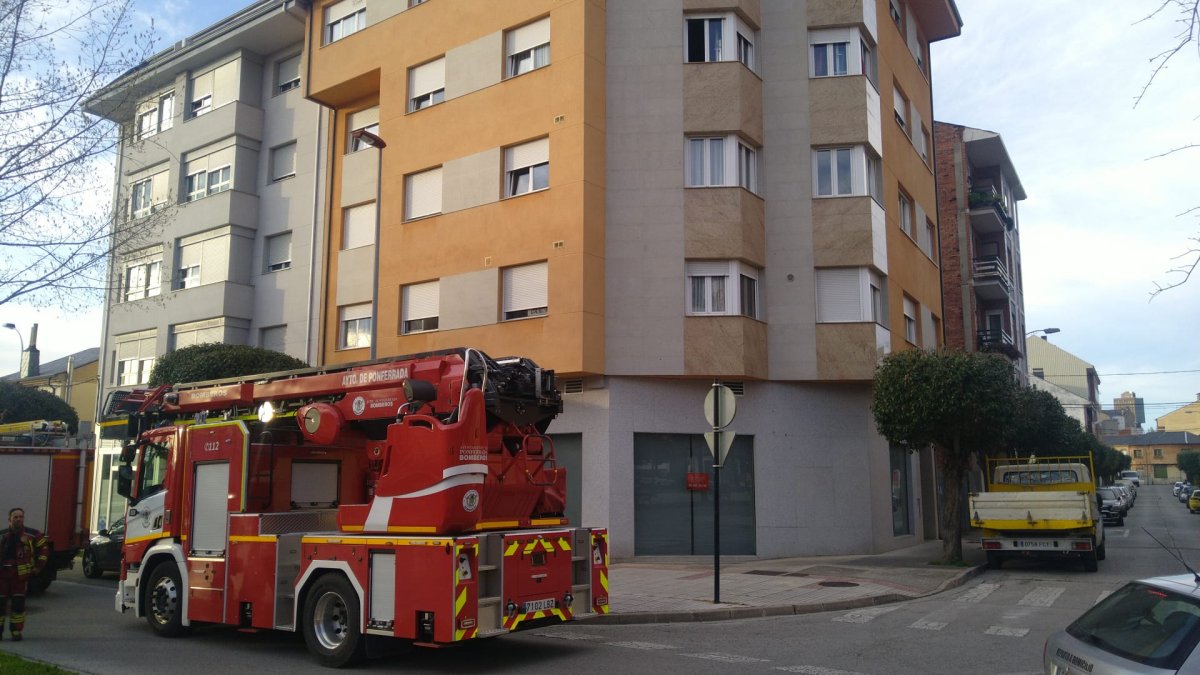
(950, 508)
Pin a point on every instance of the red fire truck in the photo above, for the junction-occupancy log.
(44, 470)
(414, 498)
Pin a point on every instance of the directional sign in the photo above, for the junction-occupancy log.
(726, 441)
(719, 406)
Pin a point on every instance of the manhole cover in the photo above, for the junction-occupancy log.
(837, 584)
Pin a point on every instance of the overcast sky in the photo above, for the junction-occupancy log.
(1101, 224)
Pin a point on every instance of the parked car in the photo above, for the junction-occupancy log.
(1177, 487)
(1128, 485)
(1112, 506)
(103, 552)
(1134, 476)
(1146, 626)
(1194, 502)
(1126, 495)
(1185, 492)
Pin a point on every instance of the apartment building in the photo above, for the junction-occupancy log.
(218, 175)
(978, 191)
(1155, 454)
(1073, 381)
(648, 197)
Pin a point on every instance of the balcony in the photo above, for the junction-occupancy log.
(998, 341)
(991, 278)
(988, 213)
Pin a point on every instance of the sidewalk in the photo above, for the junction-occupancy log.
(673, 590)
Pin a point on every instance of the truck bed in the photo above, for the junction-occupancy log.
(1033, 511)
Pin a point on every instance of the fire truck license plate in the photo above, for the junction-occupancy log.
(1033, 544)
(538, 605)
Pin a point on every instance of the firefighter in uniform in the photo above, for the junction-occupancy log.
(23, 554)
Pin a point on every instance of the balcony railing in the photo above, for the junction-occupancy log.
(991, 277)
(998, 340)
(988, 197)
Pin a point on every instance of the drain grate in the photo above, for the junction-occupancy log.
(837, 584)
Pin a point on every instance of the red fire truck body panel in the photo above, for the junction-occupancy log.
(416, 498)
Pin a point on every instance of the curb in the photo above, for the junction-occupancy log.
(734, 613)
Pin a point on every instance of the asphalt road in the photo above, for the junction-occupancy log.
(995, 624)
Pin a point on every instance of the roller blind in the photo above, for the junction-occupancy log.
(527, 154)
(352, 312)
(289, 69)
(708, 268)
(363, 118)
(421, 301)
(529, 36)
(342, 9)
(225, 84)
(900, 105)
(427, 78)
(190, 254)
(283, 161)
(839, 296)
(358, 226)
(279, 249)
(525, 287)
(423, 193)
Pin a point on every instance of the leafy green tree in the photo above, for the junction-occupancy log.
(1189, 463)
(22, 404)
(958, 402)
(214, 360)
(1041, 427)
(1108, 462)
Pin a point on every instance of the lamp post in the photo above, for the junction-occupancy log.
(1047, 331)
(377, 143)
(21, 357)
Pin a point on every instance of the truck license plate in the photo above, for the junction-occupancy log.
(538, 605)
(1033, 544)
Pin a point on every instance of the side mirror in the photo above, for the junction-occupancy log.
(125, 483)
(129, 452)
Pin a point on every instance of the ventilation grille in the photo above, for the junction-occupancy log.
(738, 388)
(573, 385)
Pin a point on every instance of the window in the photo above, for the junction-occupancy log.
(344, 18)
(213, 88)
(1137, 453)
(189, 257)
(283, 161)
(189, 277)
(423, 194)
(745, 50)
(354, 326)
(358, 226)
(414, 3)
(900, 104)
(704, 40)
(708, 39)
(714, 162)
(287, 74)
(273, 338)
(208, 174)
(528, 47)
(747, 167)
(829, 59)
(139, 200)
(870, 66)
(840, 172)
(427, 84)
(1039, 373)
(910, 320)
(527, 167)
(850, 295)
(201, 105)
(278, 251)
(364, 120)
(1158, 453)
(931, 240)
(133, 358)
(905, 216)
(156, 115)
(833, 172)
(206, 331)
(143, 279)
(710, 290)
(525, 291)
(419, 307)
(896, 14)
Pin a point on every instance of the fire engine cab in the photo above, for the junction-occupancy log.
(414, 498)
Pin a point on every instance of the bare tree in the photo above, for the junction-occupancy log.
(1186, 14)
(56, 212)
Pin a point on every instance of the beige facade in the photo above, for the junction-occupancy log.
(648, 197)
(1186, 418)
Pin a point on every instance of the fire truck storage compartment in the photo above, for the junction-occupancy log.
(25, 481)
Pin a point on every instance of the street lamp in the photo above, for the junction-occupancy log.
(1047, 331)
(20, 359)
(376, 142)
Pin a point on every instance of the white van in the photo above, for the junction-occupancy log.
(1133, 477)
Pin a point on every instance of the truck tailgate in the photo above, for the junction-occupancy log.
(1031, 510)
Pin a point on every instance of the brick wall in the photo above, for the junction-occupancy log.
(947, 140)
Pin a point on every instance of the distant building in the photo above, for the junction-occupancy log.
(73, 378)
(1132, 408)
(1186, 418)
(1156, 454)
(978, 190)
(1072, 380)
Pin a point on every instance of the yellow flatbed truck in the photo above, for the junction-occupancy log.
(1039, 508)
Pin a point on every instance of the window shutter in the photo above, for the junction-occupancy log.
(289, 69)
(279, 248)
(341, 10)
(160, 188)
(900, 105)
(529, 36)
(225, 84)
(927, 331)
(423, 193)
(527, 154)
(707, 268)
(358, 226)
(421, 301)
(427, 78)
(352, 312)
(525, 287)
(363, 118)
(910, 309)
(283, 161)
(202, 85)
(189, 255)
(838, 295)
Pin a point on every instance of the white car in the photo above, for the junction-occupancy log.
(1147, 626)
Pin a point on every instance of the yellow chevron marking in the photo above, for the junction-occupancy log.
(460, 602)
(604, 581)
(512, 549)
(565, 543)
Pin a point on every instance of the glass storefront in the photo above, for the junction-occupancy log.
(901, 522)
(670, 519)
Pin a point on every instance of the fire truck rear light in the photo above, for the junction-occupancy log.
(991, 545)
(466, 623)
(1082, 546)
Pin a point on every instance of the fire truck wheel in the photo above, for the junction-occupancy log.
(331, 622)
(164, 606)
